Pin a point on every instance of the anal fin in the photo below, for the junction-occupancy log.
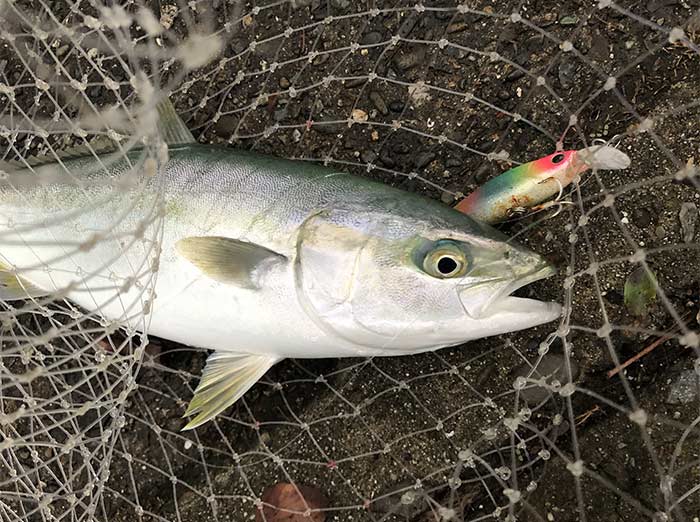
(226, 377)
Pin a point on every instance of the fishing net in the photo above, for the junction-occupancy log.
(593, 417)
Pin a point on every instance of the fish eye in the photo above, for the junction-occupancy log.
(558, 158)
(445, 261)
(447, 264)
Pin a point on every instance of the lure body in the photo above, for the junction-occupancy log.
(522, 187)
(526, 186)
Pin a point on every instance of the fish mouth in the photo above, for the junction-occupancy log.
(489, 299)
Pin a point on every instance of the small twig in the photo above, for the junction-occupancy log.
(639, 355)
(586, 415)
(658, 342)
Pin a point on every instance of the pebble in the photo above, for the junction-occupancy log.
(482, 173)
(413, 57)
(400, 148)
(266, 50)
(534, 43)
(515, 75)
(453, 52)
(552, 367)
(293, 109)
(655, 5)
(225, 126)
(693, 24)
(688, 217)
(443, 15)
(368, 156)
(379, 102)
(456, 27)
(504, 95)
(641, 217)
(321, 59)
(684, 388)
(600, 47)
(330, 128)
(341, 4)
(396, 106)
(447, 198)
(280, 114)
(409, 185)
(356, 82)
(372, 38)
(238, 45)
(566, 73)
(569, 20)
(615, 298)
(385, 158)
(424, 158)
(484, 375)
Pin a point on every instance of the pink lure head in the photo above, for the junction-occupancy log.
(563, 166)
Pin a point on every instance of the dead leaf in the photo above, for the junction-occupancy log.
(282, 503)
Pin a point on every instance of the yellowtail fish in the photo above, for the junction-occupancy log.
(257, 258)
(526, 186)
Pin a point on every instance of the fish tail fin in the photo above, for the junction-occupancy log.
(14, 287)
(226, 377)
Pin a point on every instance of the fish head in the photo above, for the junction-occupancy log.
(401, 285)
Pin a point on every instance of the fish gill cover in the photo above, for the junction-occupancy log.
(593, 417)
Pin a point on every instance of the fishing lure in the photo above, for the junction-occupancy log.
(526, 186)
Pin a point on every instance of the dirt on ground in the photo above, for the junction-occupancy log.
(366, 432)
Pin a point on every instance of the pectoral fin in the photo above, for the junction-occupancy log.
(228, 260)
(226, 377)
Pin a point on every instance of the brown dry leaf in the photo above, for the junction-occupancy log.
(282, 503)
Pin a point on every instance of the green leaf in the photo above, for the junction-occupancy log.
(640, 291)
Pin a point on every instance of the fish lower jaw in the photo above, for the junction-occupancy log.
(523, 309)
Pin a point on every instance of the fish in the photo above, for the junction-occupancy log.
(256, 258)
(526, 186)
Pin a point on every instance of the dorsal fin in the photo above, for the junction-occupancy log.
(170, 126)
(99, 145)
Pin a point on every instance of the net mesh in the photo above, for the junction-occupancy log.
(594, 417)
